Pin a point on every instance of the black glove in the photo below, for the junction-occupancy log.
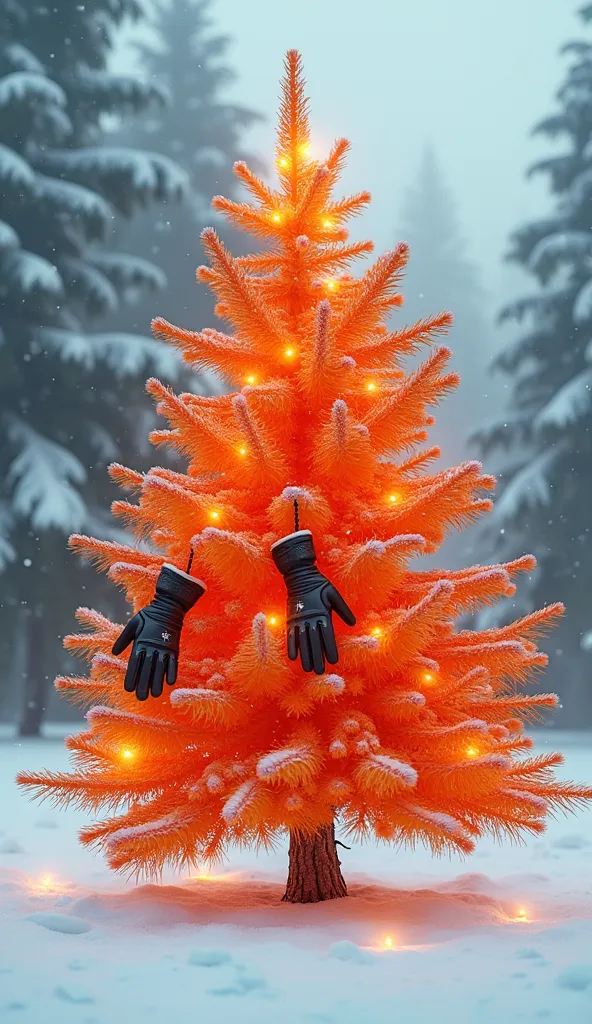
(311, 600)
(155, 631)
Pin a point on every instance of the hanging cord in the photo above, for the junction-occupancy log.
(339, 843)
(190, 562)
(296, 516)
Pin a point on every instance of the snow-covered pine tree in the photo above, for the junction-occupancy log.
(202, 128)
(440, 276)
(420, 738)
(547, 432)
(64, 401)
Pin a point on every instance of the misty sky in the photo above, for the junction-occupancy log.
(468, 76)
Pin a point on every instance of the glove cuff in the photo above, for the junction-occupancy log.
(294, 552)
(179, 586)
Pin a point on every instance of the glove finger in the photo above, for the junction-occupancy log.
(293, 642)
(316, 647)
(134, 680)
(171, 668)
(146, 673)
(338, 605)
(158, 680)
(131, 673)
(304, 645)
(126, 636)
(328, 636)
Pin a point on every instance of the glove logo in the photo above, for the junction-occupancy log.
(165, 636)
(299, 606)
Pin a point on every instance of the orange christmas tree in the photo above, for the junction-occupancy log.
(419, 733)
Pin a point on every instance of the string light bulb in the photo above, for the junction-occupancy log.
(472, 752)
(276, 217)
(371, 386)
(283, 161)
(305, 149)
(251, 379)
(522, 914)
(427, 677)
(289, 352)
(393, 498)
(377, 631)
(214, 513)
(272, 620)
(242, 451)
(327, 223)
(127, 754)
(331, 284)
(388, 942)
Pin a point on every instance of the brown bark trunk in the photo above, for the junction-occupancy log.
(315, 872)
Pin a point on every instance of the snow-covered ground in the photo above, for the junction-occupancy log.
(505, 935)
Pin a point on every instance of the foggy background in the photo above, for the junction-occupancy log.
(439, 102)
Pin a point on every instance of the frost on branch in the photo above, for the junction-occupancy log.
(42, 477)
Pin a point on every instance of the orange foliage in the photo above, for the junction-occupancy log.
(418, 735)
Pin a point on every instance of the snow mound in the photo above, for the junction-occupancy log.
(59, 923)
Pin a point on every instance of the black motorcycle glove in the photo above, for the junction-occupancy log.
(311, 601)
(155, 632)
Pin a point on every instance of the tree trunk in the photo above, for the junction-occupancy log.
(36, 688)
(315, 872)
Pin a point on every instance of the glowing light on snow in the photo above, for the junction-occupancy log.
(45, 884)
(388, 942)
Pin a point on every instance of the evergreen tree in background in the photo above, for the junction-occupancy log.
(547, 434)
(202, 131)
(64, 406)
(440, 277)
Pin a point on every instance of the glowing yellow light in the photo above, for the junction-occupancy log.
(331, 284)
(276, 217)
(283, 161)
(388, 942)
(242, 451)
(522, 914)
(376, 631)
(272, 619)
(251, 379)
(393, 498)
(327, 223)
(305, 149)
(289, 353)
(214, 514)
(127, 754)
(371, 386)
(428, 677)
(472, 752)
